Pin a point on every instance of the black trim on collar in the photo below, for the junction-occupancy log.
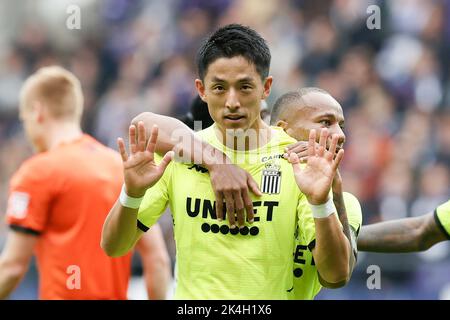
(25, 230)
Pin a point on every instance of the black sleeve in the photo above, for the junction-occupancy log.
(142, 227)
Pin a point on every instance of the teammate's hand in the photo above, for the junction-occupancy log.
(139, 168)
(316, 178)
(300, 148)
(232, 184)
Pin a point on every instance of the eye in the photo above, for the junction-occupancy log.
(325, 122)
(246, 87)
(218, 89)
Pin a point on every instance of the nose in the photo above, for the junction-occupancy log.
(337, 130)
(232, 100)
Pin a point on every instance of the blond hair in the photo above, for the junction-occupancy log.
(57, 88)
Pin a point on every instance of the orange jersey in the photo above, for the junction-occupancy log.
(64, 196)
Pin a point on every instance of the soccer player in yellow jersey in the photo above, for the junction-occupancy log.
(216, 260)
(299, 112)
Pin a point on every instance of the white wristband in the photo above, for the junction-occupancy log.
(323, 210)
(127, 201)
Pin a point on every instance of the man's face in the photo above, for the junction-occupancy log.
(233, 90)
(319, 111)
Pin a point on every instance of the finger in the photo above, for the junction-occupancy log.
(323, 137)
(219, 206)
(122, 149)
(338, 159)
(322, 142)
(297, 147)
(165, 161)
(239, 205)
(151, 146)
(304, 160)
(253, 186)
(141, 138)
(230, 209)
(293, 159)
(302, 154)
(132, 137)
(248, 207)
(333, 145)
(312, 143)
(290, 147)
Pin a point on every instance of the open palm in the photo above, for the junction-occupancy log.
(140, 170)
(315, 179)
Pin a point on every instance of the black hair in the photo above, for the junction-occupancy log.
(286, 100)
(198, 112)
(234, 40)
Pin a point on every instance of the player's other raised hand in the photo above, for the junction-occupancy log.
(316, 178)
(139, 168)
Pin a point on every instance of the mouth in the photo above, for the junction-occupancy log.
(234, 118)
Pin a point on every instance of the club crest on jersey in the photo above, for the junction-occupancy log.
(271, 179)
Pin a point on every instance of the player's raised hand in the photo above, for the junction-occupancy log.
(140, 170)
(315, 179)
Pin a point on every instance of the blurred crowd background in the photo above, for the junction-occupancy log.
(393, 83)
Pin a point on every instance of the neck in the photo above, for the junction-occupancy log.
(61, 132)
(244, 140)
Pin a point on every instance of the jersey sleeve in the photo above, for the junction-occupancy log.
(354, 212)
(30, 197)
(155, 199)
(442, 217)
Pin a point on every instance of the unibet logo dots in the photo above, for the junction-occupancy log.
(224, 229)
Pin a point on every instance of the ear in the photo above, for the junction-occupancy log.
(282, 124)
(200, 89)
(39, 111)
(267, 87)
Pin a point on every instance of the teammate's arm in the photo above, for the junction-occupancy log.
(229, 182)
(120, 231)
(402, 235)
(339, 203)
(331, 250)
(15, 260)
(155, 262)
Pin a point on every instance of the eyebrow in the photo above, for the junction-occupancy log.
(245, 79)
(328, 115)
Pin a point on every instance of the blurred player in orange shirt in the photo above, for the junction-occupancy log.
(59, 199)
